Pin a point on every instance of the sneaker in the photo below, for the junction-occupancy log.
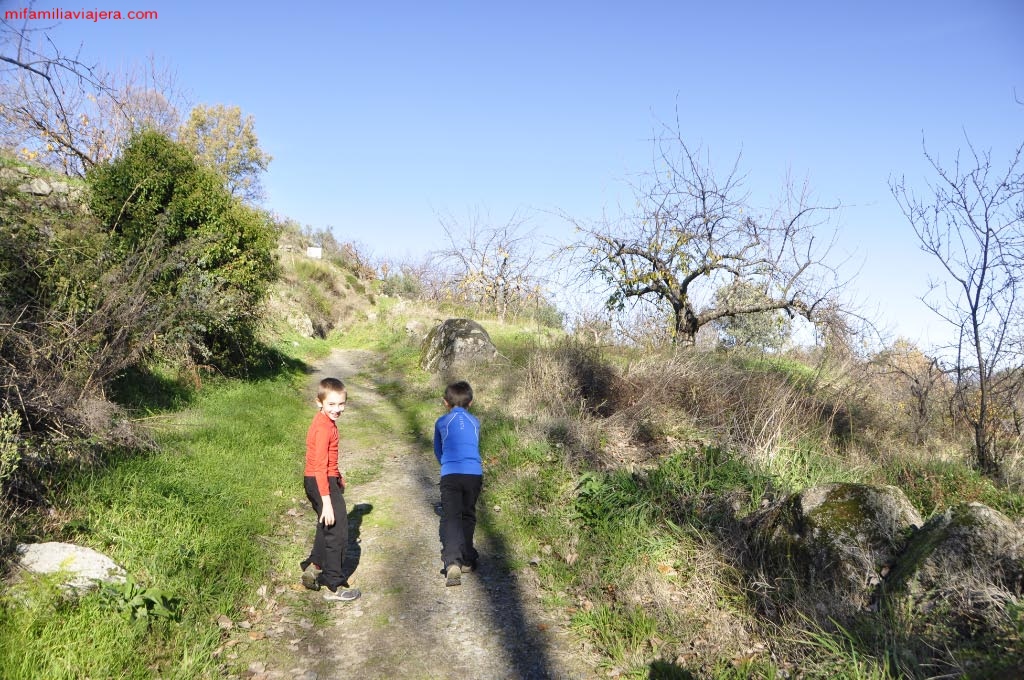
(469, 567)
(310, 576)
(342, 595)
(454, 575)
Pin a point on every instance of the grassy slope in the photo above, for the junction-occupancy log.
(185, 522)
(631, 557)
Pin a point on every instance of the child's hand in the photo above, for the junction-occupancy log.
(327, 514)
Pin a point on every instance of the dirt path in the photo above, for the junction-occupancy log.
(407, 624)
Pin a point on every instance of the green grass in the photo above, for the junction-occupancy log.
(932, 486)
(183, 522)
(800, 465)
(622, 633)
(599, 531)
(796, 372)
(363, 474)
(316, 273)
(151, 389)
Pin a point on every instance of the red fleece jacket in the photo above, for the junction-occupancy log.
(322, 451)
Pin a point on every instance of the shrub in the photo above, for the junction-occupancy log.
(222, 250)
(10, 453)
(401, 285)
(72, 315)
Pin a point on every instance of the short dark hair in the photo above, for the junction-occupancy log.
(330, 385)
(458, 394)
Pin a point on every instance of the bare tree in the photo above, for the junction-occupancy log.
(693, 232)
(492, 265)
(60, 111)
(972, 221)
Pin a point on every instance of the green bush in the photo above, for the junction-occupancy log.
(10, 453)
(316, 273)
(222, 250)
(73, 314)
(401, 285)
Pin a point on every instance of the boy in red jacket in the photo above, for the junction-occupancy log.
(325, 490)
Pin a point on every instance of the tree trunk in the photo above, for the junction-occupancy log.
(687, 325)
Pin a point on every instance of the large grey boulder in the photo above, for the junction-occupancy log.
(455, 343)
(837, 540)
(83, 568)
(969, 546)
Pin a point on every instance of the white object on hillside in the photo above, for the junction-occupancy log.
(315, 252)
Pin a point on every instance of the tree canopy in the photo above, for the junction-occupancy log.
(226, 140)
(694, 232)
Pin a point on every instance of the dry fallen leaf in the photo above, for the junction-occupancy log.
(743, 659)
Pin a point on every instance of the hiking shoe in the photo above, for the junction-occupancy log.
(454, 575)
(310, 576)
(342, 595)
(469, 567)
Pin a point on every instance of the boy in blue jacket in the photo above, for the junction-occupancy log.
(457, 447)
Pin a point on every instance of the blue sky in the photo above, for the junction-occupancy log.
(382, 115)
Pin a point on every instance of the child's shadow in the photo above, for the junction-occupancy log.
(353, 551)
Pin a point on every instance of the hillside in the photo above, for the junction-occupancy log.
(618, 478)
(623, 487)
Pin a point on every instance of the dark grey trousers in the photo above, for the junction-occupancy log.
(330, 542)
(459, 494)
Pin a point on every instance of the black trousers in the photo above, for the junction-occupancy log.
(330, 542)
(459, 494)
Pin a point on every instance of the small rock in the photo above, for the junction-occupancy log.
(257, 667)
(36, 187)
(224, 622)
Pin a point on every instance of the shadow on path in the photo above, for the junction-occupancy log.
(524, 642)
(354, 551)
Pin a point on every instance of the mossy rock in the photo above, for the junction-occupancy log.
(968, 546)
(958, 586)
(455, 343)
(836, 538)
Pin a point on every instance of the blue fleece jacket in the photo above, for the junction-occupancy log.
(457, 443)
